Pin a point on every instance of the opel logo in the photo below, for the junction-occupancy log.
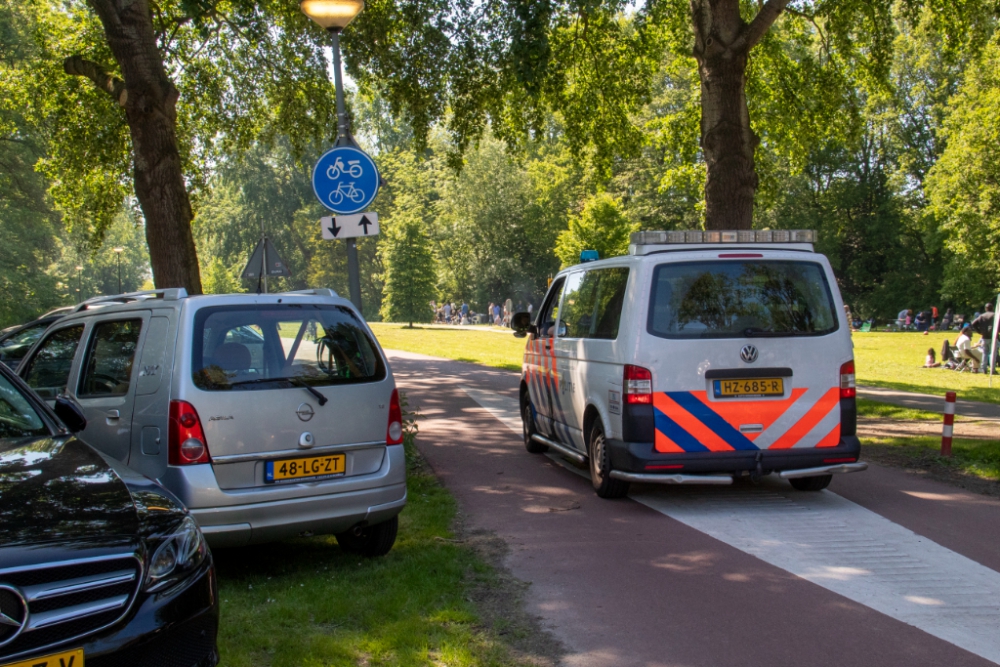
(13, 614)
(748, 354)
(305, 412)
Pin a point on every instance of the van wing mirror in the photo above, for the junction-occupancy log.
(521, 324)
(70, 414)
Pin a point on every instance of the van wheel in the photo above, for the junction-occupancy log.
(600, 467)
(817, 483)
(528, 427)
(371, 541)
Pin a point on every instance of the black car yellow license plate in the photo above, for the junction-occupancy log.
(302, 468)
(749, 387)
(72, 658)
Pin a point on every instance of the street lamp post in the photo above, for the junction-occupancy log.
(334, 16)
(118, 254)
(79, 284)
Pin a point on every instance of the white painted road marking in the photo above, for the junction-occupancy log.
(836, 544)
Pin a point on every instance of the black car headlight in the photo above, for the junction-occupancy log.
(177, 556)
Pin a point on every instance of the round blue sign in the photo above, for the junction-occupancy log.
(345, 180)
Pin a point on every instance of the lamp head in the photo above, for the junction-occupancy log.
(332, 14)
(79, 268)
(119, 250)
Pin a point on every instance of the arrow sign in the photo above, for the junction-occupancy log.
(349, 226)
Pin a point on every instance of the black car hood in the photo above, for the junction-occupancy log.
(59, 489)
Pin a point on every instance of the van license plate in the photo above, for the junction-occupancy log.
(747, 388)
(72, 658)
(313, 466)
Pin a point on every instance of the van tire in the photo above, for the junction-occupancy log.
(528, 427)
(817, 483)
(370, 541)
(600, 466)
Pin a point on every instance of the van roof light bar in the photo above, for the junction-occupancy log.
(742, 236)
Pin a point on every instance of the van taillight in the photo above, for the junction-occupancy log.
(847, 389)
(638, 385)
(186, 443)
(394, 432)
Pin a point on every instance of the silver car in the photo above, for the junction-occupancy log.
(268, 415)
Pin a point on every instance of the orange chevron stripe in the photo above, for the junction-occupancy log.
(665, 444)
(832, 438)
(737, 412)
(690, 423)
(821, 409)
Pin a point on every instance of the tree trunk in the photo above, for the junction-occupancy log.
(722, 46)
(149, 98)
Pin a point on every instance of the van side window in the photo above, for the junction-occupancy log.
(48, 370)
(592, 306)
(108, 368)
(550, 311)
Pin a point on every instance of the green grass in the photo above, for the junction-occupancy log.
(867, 408)
(979, 458)
(488, 348)
(895, 360)
(306, 603)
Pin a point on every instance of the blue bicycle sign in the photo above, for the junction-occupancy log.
(345, 180)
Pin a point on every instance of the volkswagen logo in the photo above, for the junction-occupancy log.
(748, 354)
(305, 412)
(13, 614)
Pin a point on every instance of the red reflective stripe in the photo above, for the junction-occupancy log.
(816, 413)
(832, 439)
(703, 434)
(737, 412)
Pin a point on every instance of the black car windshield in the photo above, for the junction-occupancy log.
(741, 299)
(18, 418)
(283, 345)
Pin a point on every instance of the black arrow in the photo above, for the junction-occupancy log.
(364, 223)
(334, 229)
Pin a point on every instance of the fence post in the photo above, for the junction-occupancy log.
(949, 421)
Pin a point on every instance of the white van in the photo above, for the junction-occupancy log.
(697, 357)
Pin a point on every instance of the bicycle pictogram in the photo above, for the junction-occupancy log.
(353, 169)
(347, 190)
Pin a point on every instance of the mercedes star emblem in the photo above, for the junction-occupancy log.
(748, 354)
(305, 412)
(13, 614)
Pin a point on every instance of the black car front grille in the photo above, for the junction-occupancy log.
(69, 600)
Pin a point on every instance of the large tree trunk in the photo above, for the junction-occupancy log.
(149, 98)
(722, 46)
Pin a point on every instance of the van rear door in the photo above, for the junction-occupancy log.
(746, 352)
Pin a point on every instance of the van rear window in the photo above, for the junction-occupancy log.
(741, 299)
(276, 346)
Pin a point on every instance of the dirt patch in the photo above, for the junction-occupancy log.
(878, 427)
(927, 463)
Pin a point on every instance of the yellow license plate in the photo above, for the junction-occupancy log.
(72, 658)
(748, 387)
(313, 466)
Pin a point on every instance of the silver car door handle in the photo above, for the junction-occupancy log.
(113, 414)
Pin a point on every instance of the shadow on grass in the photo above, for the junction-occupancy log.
(980, 394)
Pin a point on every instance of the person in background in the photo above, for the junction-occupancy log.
(901, 318)
(531, 307)
(921, 322)
(447, 313)
(947, 319)
(983, 325)
(930, 361)
(965, 349)
(934, 316)
(850, 318)
(947, 356)
(465, 310)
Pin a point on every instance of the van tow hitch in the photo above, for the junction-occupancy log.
(755, 475)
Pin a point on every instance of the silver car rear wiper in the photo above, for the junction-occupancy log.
(298, 382)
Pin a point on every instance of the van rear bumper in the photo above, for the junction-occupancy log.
(641, 457)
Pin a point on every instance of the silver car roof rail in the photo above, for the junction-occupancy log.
(168, 294)
(316, 291)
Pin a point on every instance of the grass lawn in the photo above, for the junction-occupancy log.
(978, 458)
(488, 348)
(306, 603)
(895, 360)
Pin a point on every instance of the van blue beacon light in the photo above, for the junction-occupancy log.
(589, 256)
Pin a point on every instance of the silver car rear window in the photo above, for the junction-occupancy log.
(741, 299)
(285, 345)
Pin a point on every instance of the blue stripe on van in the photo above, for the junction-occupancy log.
(713, 421)
(673, 430)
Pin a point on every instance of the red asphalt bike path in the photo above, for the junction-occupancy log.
(621, 584)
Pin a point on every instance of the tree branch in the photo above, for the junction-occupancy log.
(761, 23)
(112, 85)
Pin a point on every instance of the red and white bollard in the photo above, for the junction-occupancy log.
(949, 423)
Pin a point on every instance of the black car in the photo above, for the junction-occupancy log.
(15, 341)
(98, 564)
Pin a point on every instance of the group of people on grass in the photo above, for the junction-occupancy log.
(962, 355)
(497, 314)
(927, 320)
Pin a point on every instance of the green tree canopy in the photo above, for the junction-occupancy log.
(600, 226)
